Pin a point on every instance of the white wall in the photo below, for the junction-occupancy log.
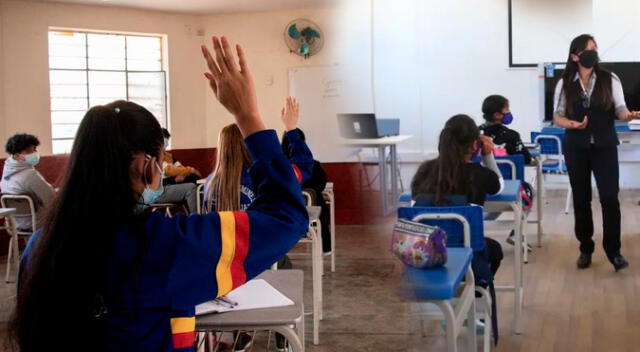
(542, 29)
(435, 59)
(195, 117)
(261, 35)
(25, 63)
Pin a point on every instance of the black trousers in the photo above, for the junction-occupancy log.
(603, 162)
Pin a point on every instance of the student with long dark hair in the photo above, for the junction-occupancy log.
(454, 179)
(588, 99)
(105, 276)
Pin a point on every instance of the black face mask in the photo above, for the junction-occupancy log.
(589, 58)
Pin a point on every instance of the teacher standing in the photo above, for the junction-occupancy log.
(588, 99)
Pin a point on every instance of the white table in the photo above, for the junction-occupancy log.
(288, 321)
(510, 200)
(381, 144)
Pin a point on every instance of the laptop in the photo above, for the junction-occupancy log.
(365, 126)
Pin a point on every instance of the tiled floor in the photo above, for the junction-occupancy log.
(566, 309)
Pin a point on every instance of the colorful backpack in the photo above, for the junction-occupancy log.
(419, 245)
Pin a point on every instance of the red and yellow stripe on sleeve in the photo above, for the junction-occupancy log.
(230, 272)
(297, 172)
(183, 331)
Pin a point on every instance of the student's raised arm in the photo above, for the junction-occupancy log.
(217, 252)
(298, 152)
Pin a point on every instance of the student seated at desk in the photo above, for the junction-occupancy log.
(20, 176)
(453, 176)
(174, 171)
(317, 182)
(454, 173)
(496, 112)
(230, 188)
(103, 276)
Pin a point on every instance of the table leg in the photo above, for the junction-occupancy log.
(394, 175)
(382, 164)
(539, 201)
(13, 257)
(518, 264)
(333, 231)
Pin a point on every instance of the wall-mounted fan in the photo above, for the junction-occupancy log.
(303, 37)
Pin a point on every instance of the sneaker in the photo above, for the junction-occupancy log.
(244, 342)
(511, 240)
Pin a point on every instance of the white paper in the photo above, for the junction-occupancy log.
(254, 294)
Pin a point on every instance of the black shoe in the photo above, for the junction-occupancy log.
(584, 261)
(281, 343)
(619, 262)
(243, 341)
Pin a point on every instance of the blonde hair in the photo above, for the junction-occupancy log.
(225, 186)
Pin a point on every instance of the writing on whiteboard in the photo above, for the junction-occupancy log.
(331, 88)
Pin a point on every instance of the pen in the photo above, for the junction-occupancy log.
(228, 301)
(223, 303)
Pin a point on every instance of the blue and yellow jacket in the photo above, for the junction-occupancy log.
(190, 260)
(301, 160)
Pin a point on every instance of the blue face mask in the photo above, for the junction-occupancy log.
(507, 118)
(149, 196)
(32, 159)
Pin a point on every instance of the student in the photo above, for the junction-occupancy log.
(451, 174)
(20, 176)
(588, 99)
(496, 112)
(316, 182)
(228, 186)
(174, 171)
(101, 274)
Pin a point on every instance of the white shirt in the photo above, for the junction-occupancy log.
(560, 102)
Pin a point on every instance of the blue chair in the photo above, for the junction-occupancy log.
(552, 157)
(465, 234)
(511, 166)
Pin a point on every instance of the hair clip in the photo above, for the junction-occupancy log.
(117, 110)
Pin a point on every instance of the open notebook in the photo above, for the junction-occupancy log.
(254, 294)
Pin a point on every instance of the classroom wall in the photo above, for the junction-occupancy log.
(195, 117)
(435, 59)
(24, 63)
(261, 34)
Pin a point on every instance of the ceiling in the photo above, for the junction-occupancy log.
(207, 6)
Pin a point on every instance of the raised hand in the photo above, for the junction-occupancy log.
(232, 85)
(487, 145)
(290, 114)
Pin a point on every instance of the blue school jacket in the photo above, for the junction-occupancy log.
(190, 260)
(301, 160)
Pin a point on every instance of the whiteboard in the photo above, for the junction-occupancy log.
(323, 92)
(543, 29)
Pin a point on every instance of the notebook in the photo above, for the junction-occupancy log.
(255, 294)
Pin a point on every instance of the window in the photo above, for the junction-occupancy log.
(87, 69)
